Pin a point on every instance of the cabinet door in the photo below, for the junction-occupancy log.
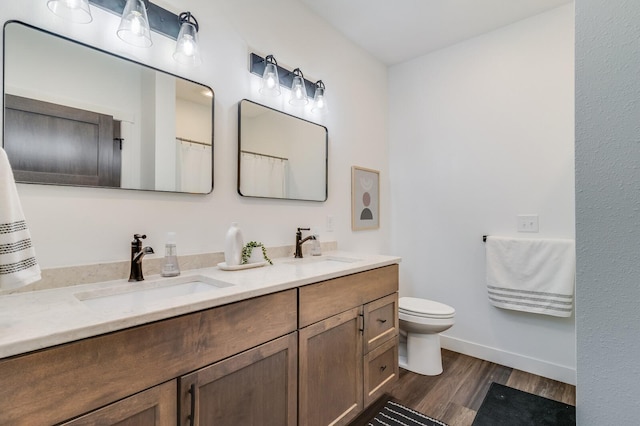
(256, 387)
(380, 321)
(330, 370)
(153, 407)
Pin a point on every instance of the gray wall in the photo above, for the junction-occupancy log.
(608, 211)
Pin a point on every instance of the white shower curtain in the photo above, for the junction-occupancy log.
(193, 167)
(263, 176)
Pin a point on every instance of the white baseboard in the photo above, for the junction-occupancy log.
(557, 372)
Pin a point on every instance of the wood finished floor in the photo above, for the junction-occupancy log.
(455, 396)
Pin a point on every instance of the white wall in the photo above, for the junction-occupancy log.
(479, 133)
(608, 211)
(72, 226)
(189, 118)
(118, 95)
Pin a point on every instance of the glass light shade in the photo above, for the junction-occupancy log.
(73, 10)
(134, 26)
(298, 90)
(319, 101)
(270, 80)
(187, 51)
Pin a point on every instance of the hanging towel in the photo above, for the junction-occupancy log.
(18, 266)
(532, 275)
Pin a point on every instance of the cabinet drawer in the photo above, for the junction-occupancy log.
(380, 321)
(380, 370)
(328, 298)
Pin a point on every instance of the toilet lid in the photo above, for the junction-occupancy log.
(424, 308)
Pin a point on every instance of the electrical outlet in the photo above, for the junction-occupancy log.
(527, 223)
(330, 223)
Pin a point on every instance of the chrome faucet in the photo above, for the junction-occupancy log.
(300, 241)
(137, 253)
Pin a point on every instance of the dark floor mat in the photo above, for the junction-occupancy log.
(505, 406)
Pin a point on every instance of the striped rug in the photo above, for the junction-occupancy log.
(394, 414)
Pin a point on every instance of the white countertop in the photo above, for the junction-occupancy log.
(40, 319)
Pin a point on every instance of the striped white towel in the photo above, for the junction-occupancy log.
(532, 275)
(18, 266)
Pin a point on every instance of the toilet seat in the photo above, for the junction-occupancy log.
(424, 308)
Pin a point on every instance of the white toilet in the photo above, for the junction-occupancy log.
(420, 321)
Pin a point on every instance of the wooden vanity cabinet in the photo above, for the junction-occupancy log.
(315, 355)
(60, 383)
(256, 387)
(348, 339)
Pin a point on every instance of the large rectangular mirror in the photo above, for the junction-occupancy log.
(76, 115)
(279, 155)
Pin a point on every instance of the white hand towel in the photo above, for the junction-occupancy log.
(532, 275)
(18, 266)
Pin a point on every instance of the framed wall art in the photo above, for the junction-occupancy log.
(365, 199)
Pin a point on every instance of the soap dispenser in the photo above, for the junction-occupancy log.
(170, 267)
(315, 246)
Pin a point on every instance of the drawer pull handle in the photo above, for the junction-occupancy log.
(382, 320)
(382, 368)
(192, 416)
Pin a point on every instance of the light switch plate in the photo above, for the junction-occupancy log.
(528, 223)
(330, 223)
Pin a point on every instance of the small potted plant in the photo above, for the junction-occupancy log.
(251, 256)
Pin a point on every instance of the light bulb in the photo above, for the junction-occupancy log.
(298, 89)
(137, 24)
(188, 47)
(187, 51)
(270, 80)
(319, 102)
(134, 25)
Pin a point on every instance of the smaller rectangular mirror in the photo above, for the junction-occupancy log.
(279, 155)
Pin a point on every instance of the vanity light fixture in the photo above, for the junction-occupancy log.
(134, 26)
(274, 76)
(270, 80)
(319, 102)
(187, 51)
(73, 10)
(138, 19)
(298, 89)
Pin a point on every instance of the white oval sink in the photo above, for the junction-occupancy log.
(143, 293)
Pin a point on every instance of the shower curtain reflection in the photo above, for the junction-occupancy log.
(264, 175)
(193, 166)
